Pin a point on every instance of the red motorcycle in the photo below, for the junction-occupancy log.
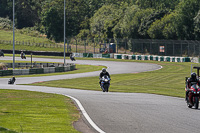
(192, 98)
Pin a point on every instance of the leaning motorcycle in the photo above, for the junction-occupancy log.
(192, 98)
(105, 83)
(11, 81)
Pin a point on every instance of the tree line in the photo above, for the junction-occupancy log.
(137, 19)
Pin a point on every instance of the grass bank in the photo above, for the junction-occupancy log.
(168, 81)
(8, 36)
(24, 111)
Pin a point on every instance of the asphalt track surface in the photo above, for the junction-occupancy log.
(121, 112)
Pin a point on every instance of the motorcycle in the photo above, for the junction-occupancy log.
(72, 58)
(11, 81)
(105, 83)
(192, 98)
(23, 56)
(1, 53)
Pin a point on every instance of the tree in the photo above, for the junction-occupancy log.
(6, 8)
(104, 21)
(27, 13)
(157, 4)
(148, 21)
(197, 26)
(187, 10)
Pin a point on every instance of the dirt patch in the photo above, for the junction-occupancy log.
(83, 126)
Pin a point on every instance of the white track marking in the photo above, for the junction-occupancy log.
(86, 115)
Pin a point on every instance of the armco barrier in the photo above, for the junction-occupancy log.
(186, 59)
(124, 56)
(177, 59)
(67, 68)
(130, 57)
(150, 57)
(111, 55)
(105, 55)
(87, 55)
(97, 55)
(6, 72)
(167, 59)
(117, 56)
(60, 68)
(138, 57)
(155, 58)
(172, 59)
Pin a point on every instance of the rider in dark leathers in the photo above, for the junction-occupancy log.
(104, 72)
(190, 81)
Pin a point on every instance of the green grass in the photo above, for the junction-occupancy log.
(29, 48)
(24, 111)
(168, 81)
(8, 35)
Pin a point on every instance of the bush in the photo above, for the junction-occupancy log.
(5, 23)
(3, 66)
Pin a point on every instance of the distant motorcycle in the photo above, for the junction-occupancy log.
(105, 83)
(192, 98)
(1, 53)
(72, 58)
(23, 56)
(11, 81)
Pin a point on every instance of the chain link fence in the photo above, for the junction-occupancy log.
(124, 46)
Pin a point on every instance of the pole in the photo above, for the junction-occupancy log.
(13, 34)
(64, 31)
(31, 59)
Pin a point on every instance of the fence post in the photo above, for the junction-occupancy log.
(94, 45)
(194, 48)
(76, 45)
(85, 45)
(181, 49)
(132, 41)
(173, 47)
(117, 45)
(188, 48)
(67, 45)
(125, 45)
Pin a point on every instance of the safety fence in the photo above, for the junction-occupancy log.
(189, 48)
(44, 68)
(29, 43)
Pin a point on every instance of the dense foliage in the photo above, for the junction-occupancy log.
(145, 19)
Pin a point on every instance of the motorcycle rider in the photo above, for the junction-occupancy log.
(190, 81)
(104, 72)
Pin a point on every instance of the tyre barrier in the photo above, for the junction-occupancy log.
(50, 69)
(136, 57)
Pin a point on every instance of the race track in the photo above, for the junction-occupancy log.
(122, 112)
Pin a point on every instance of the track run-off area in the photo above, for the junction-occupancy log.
(115, 112)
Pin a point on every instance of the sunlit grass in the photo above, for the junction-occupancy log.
(167, 81)
(24, 111)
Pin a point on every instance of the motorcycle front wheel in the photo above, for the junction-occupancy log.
(106, 86)
(188, 102)
(196, 102)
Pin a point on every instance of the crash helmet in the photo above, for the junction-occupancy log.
(193, 75)
(104, 70)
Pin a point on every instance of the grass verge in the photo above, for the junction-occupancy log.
(168, 81)
(24, 111)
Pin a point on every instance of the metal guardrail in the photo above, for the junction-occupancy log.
(49, 68)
